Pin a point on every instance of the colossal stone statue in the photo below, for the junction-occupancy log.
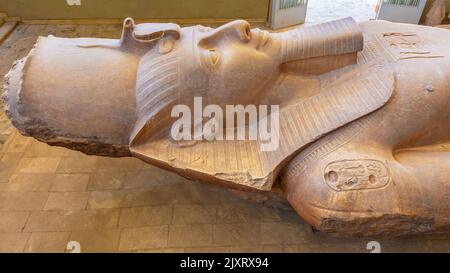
(362, 116)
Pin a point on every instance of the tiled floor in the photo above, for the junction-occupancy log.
(50, 196)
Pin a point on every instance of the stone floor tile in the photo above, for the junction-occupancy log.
(279, 215)
(70, 182)
(190, 235)
(8, 164)
(106, 181)
(74, 154)
(17, 144)
(97, 240)
(38, 165)
(77, 164)
(119, 164)
(395, 246)
(71, 201)
(228, 197)
(30, 182)
(72, 220)
(12, 221)
(239, 213)
(151, 178)
(151, 196)
(332, 248)
(198, 193)
(194, 214)
(246, 249)
(47, 242)
(208, 249)
(40, 149)
(282, 233)
(132, 239)
(146, 216)
(13, 242)
(159, 250)
(279, 248)
(237, 234)
(22, 201)
(436, 247)
(107, 199)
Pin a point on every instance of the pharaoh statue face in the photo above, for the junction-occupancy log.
(231, 64)
(239, 61)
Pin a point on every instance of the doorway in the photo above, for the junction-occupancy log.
(320, 11)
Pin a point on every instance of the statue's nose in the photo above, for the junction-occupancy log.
(236, 30)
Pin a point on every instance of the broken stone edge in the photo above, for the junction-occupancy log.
(14, 109)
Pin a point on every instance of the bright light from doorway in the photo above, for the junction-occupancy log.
(320, 11)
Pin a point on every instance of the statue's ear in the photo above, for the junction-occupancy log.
(150, 33)
(127, 29)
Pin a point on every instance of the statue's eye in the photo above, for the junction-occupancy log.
(214, 57)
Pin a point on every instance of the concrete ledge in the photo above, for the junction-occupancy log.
(187, 21)
(2, 17)
(6, 29)
(11, 19)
